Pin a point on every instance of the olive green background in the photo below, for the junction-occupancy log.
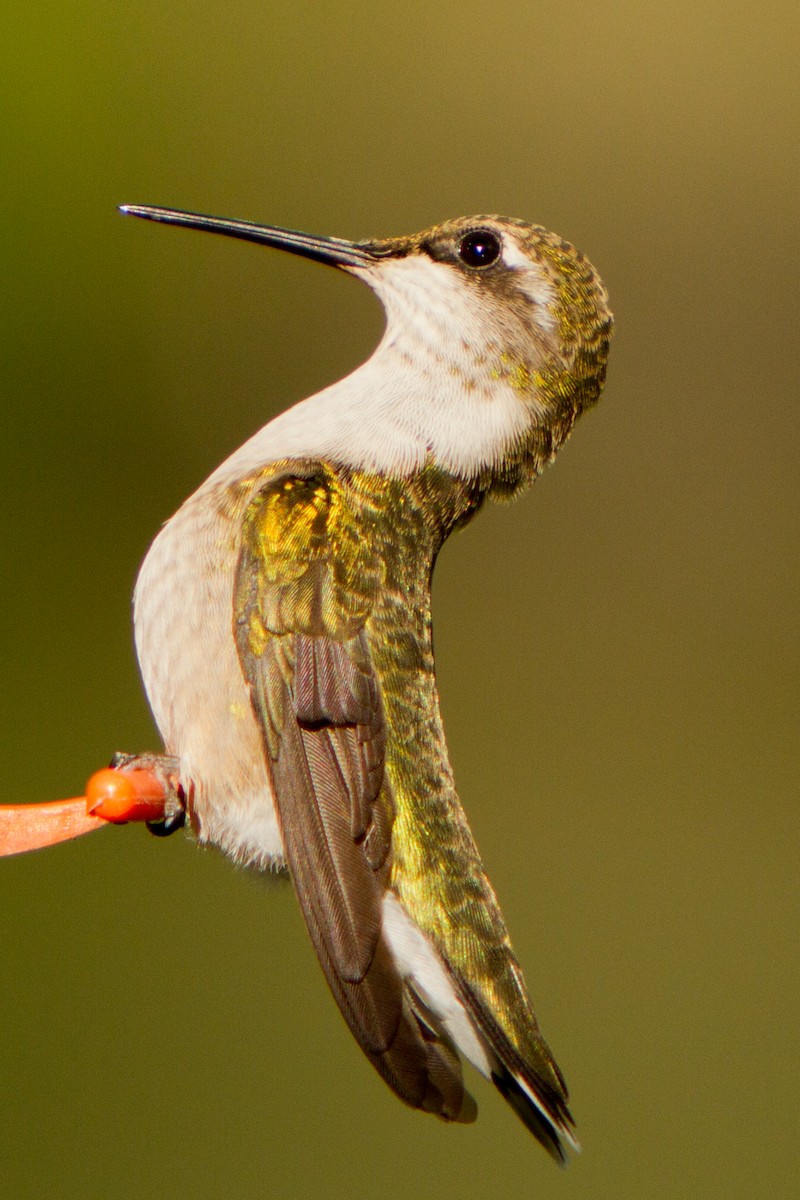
(618, 652)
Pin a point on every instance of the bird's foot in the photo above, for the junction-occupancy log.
(164, 769)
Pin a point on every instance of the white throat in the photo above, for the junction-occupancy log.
(434, 390)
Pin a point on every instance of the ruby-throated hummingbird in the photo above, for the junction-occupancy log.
(283, 626)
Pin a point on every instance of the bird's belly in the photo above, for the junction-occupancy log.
(184, 640)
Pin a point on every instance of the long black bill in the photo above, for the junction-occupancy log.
(336, 252)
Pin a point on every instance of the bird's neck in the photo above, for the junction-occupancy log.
(399, 412)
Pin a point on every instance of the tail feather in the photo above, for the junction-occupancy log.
(531, 1082)
(460, 1019)
(554, 1133)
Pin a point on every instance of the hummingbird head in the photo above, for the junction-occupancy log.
(496, 339)
(505, 307)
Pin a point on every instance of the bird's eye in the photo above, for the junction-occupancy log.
(479, 249)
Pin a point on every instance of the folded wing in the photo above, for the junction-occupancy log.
(305, 584)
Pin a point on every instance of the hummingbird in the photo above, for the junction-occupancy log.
(283, 627)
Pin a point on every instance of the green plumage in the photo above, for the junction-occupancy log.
(343, 560)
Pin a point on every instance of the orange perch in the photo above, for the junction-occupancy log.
(112, 796)
(119, 796)
(32, 826)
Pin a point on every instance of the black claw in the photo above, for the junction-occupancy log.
(168, 825)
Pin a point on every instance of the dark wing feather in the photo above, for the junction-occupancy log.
(300, 611)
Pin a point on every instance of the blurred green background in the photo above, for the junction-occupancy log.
(618, 653)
